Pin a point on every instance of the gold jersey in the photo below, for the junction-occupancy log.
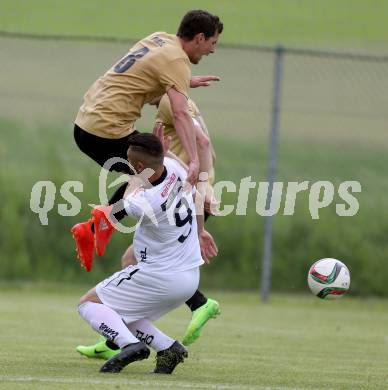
(114, 102)
(165, 116)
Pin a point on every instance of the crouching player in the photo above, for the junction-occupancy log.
(202, 308)
(169, 244)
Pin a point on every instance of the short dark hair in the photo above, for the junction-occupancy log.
(147, 144)
(198, 21)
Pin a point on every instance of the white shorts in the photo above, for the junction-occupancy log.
(136, 292)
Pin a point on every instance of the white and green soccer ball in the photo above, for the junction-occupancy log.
(328, 279)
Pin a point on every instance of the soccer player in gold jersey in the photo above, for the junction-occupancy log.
(157, 64)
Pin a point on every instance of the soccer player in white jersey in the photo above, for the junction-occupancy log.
(170, 244)
(202, 308)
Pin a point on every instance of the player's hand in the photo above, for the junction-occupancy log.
(208, 246)
(193, 172)
(159, 132)
(211, 205)
(202, 81)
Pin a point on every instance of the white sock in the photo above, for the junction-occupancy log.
(107, 322)
(150, 335)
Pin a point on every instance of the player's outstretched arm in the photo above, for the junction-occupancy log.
(203, 126)
(177, 159)
(202, 81)
(159, 132)
(186, 132)
(208, 246)
(206, 241)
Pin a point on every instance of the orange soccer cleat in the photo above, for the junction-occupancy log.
(84, 242)
(103, 228)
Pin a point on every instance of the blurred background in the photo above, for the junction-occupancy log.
(333, 126)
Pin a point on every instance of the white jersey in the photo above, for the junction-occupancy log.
(166, 237)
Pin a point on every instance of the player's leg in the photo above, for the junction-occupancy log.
(167, 293)
(96, 232)
(138, 293)
(169, 352)
(203, 309)
(109, 324)
(145, 331)
(102, 149)
(128, 257)
(104, 349)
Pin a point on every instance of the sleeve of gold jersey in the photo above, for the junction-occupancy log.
(193, 108)
(164, 114)
(176, 75)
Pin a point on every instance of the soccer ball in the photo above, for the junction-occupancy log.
(328, 279)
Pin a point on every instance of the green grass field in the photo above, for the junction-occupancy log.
(327, 23)
(333, 127)
(295, 342)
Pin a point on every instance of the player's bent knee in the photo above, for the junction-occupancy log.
(127, 261)
(90, 296)
(128, 258)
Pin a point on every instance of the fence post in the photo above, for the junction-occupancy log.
(272, 165)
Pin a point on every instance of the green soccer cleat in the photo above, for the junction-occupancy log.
(210, 309)
(98, 351)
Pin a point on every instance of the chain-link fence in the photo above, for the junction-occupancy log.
(332, 126)
(325, 99)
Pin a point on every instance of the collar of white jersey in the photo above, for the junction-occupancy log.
(161, 178)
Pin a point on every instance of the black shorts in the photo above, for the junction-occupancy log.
(101, 149)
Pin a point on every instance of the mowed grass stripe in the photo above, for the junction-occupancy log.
(148, 384)
(291, 343)
(320, 22)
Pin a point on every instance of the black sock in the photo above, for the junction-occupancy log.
(111, 345)
(119, 194)
(196, 301)
(117, 200)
